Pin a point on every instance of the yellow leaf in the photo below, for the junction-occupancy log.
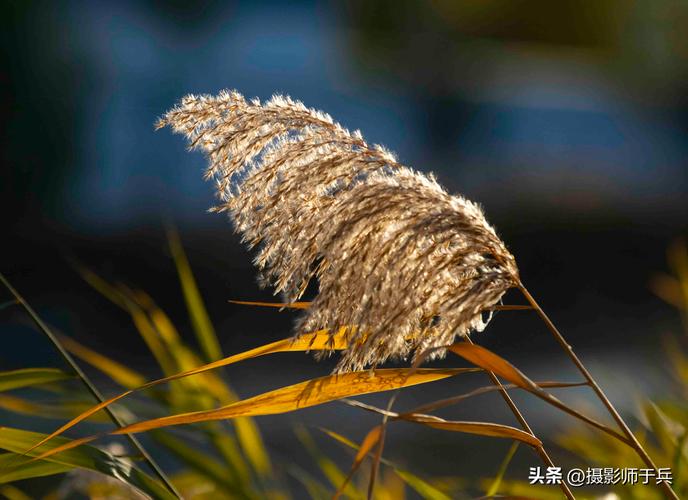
(311, 341)
(280, 305)
(422, 487)
(25, 377)
(371, 439)
(305, 394)
(293, 397)
(488, 360)
(252, 444)
(65, 409)
(205, 332)
(116, 371)
(480, 428)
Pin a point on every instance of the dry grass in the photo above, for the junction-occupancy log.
(403, 268)
(410, 265)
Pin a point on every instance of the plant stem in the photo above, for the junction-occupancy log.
(89, 385)
(524, 424)
(632, 440)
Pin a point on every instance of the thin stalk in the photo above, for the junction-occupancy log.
(632, 440)
(377, 458)
(526, 427)
(443, 403)
(89, 385)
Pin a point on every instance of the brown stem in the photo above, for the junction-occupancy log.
(632, 440)
(524, 424)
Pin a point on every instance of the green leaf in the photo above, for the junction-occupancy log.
(316, 490)
(55, 410)
(494, 487)
(329, 469)
(85, 457)
(205, 332)
(15, 379)
(13, 493)
(200, 461)
(422, 487)
(121, 374)
(10, 470)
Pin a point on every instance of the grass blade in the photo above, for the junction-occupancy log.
(312, 341)
(494, 487)
(247, 432)
(294, 397)
(13, 493)
(499, 366)
(479, 428)
(306, 394)
(253, 446)
(124, 376)
(86, 381)
(25, 377)
(443, 403)
(16, 441)
(371, 439)
(65, 409)
(129, 301)
(328, 467)
(10, 471)
(199, 461)
(422, 487)
(203, 327)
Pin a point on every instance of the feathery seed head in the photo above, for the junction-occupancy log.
(402, 263)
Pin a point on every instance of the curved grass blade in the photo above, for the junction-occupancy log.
(126, 299)
(124, 376)
(494, 487)
(13, 493)
(490, 361)
(208, 384)
(199, 461)
(8, 303)
(327, 466)
(443, 403)
(43, 327)
(87, 457)
(253, 446)
(371, 439)
(422, 487)
(294, 397)
(59, 410)
(311, 341)
(202, 326)
(480, 428)
(315, 489)
(25, 377)
(10, 471)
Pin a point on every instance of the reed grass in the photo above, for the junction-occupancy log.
(404, 271)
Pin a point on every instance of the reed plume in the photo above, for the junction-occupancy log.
(401, 263)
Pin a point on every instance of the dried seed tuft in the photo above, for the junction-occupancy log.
(402, 263)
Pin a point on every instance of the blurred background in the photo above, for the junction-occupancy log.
(567, 121)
